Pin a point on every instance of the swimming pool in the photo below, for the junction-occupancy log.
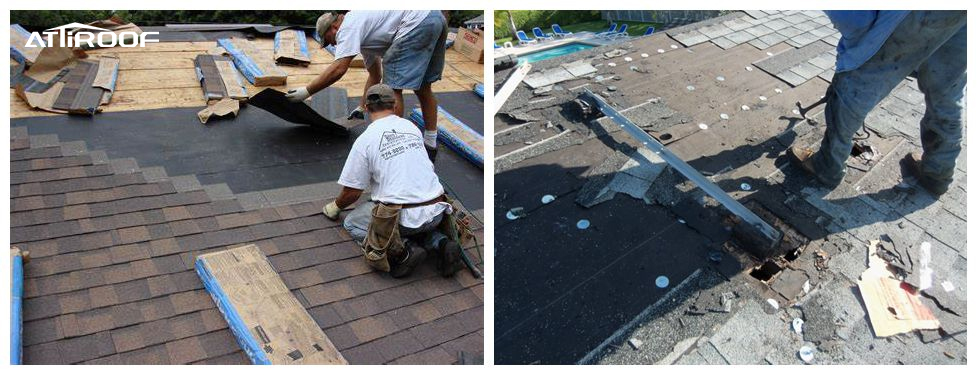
(557, 51)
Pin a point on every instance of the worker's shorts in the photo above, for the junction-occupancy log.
(357, 222)
(417, 58)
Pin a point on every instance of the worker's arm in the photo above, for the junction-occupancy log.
(375, 76)
(333, 73)
(347, 197)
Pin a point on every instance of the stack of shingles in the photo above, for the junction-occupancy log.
(222, 85)
(111, 277)
(65, 86)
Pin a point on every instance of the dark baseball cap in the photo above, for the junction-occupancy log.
(380, 93)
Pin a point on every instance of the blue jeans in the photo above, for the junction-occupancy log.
(932, 43)
(357, 222)
(417, 58)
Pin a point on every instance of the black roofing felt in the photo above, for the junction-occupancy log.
(252, 152)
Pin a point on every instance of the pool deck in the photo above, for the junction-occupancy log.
(585, 37)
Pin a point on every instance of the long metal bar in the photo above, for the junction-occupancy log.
(771, 236)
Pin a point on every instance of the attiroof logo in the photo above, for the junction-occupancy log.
(80, 35)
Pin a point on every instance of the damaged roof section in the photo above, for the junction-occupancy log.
(725, 103)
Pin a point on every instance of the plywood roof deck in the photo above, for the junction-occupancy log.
(161, 75)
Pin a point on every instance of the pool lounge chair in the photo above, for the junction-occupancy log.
(649, 30)
(609, 30)
(540, 35)
(622, 31)
(523, 39)
(558, 31)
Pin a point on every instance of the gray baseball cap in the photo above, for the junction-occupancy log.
(323, 24)
(380, 93)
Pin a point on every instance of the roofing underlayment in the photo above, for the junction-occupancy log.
(626, 262)
(114, 209)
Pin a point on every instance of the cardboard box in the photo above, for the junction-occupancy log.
(268, 321)
(469, 43)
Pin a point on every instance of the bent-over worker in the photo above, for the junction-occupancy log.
(877, 50)
(407, 197)
(402, 48)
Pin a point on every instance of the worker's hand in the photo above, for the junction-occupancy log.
(332, 211)
(432, 153)
(297, 95)
(357, 113)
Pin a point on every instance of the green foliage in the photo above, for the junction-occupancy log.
(43, 19)
(525, 20)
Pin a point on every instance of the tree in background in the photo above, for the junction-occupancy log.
(506, 20)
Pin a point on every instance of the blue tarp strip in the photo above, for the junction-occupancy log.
(303, 43)
(242, 62)
(248, 344)
(449, 139)
(15, 52)
(480, 90)
(16, 296)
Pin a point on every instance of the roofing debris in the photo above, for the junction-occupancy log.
(893, 307)
(77, 86)
(726, 105)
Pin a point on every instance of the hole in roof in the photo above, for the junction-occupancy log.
(792, 255)
(665, 136)
(766, 271)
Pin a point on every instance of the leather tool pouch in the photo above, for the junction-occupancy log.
(383, 237)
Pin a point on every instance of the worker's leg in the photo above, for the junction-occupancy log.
(429, 107)
(357, 222)
(854, 93)
(429, 104)
(429, 235)
(942, 79)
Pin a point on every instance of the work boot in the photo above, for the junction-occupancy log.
(803, 158)
(914, 163)
(432, 153)
(449, 259)
(413, 256)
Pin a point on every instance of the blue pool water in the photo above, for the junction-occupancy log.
(557, 51)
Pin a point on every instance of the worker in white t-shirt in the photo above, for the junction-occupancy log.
(388, 159)
(403, 48)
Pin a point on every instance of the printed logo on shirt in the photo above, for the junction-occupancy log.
(393, 144)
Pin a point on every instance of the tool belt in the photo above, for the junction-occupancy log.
(383, 236)
(383, 239)
(438, 199)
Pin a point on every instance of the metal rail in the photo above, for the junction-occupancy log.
(769, 236)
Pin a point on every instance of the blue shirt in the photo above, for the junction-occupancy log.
(862, 33)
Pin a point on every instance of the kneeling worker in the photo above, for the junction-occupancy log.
(407, 197)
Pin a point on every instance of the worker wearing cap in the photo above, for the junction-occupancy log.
(877, 50)
(388, 158)
(404, 47)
